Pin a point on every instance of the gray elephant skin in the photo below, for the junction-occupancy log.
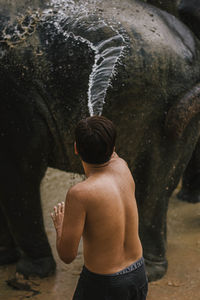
(189, 12)
(142, 62)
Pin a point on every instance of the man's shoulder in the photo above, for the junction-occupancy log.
(123, 168)
(78, 191)
(120, 163)
(118, 158)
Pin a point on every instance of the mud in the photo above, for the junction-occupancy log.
(182, 281)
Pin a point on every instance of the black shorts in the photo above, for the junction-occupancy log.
(128, 284)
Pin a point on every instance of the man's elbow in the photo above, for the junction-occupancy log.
(67, 259)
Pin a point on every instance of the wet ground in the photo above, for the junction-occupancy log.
(182, 281)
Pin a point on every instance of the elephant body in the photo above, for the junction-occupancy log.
(138, 66)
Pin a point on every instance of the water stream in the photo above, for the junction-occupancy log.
(83, 21)
(107, 43)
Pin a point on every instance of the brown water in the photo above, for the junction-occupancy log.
(182, 281)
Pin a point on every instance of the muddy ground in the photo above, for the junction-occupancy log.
(182, 281)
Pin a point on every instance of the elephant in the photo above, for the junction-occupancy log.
(189, 12)
(190, 191)
(137, 65)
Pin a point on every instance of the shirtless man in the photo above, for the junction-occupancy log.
(103, 210)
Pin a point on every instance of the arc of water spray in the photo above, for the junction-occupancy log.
(81, 23)
(104, 70)
(107, 52)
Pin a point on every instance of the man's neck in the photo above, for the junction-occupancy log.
(91, 169)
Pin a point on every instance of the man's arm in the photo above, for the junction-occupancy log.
(71, 230)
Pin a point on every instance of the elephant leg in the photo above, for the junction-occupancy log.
(155, 180)
(153, 234)
(20, 199)
(190, 190)
(9, 253)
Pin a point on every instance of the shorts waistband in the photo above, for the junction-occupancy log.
(137, 264)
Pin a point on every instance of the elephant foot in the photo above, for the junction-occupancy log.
(9, 256)
(18, 282)
(41, 267)
(155, 269)
(189, 196)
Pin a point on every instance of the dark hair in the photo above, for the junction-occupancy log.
(95, 139)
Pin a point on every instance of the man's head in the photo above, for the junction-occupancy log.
(95, 139)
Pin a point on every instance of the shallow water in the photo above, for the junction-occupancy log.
(181, 282)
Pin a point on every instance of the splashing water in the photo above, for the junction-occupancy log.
(103, 70)
(82, 21)
(107, 43)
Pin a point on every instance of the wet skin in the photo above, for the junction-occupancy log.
(103, 210)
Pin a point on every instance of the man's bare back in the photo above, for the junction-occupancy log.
(102, 209)
(110, 235)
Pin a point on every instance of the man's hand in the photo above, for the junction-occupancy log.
(58, 216)
(69, 221)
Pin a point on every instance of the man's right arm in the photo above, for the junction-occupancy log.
(73, 225)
